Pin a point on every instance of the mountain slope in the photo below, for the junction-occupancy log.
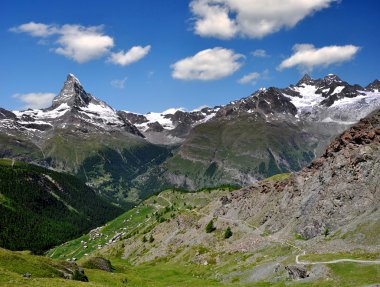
(86, 137)
(272, 131)
(327, 211)
(41, 208)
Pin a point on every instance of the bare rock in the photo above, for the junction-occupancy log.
(297, 272)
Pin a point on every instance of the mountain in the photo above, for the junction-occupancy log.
(128, 156)
(86, 137)
(325, 212)
(272, 131)
(41, 208)
(171, 126)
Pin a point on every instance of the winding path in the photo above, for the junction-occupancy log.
(298, 261)
(335, 261)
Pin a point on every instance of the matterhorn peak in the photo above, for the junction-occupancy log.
(72, 94)
(72, 78)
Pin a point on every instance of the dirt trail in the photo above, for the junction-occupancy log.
(300, 262)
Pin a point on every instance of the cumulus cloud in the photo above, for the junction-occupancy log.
(249, 78)
(76, 42)
(213, 20)
(133, 55)
(81, 43)
(226, 19)
(307, 57)
(209, 64)
(119, 84)
(35, 100)
(260, 53)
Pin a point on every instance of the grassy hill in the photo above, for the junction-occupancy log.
(41, 208)
(181, 253)
(238, 150)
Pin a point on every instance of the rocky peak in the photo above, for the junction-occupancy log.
(5, 114)
(306, 79)
(331, 79)
(374, 86)
(72, 94)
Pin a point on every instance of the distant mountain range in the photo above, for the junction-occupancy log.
(128, 156)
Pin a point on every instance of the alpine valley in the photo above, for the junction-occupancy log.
(280, 188)
(127, 156)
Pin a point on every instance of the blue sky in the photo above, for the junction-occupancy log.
(150, 55)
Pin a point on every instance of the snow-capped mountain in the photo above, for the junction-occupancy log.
(329, 99)
(73, 108)
(271, 131)
(326, 99)
(332, 100)
(170, 126)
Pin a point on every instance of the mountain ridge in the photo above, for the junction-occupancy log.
(273, 130)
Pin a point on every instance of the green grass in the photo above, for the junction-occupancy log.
(160, 273)
(278, 177)
(135, 221)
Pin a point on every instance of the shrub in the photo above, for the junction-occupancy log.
(227, 233)
(210, 226)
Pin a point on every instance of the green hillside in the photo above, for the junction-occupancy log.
(141, 261)
(41, 208)
(237, 150)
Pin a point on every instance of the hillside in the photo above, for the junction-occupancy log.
(41, 208)
(326, 212)
(272, 131)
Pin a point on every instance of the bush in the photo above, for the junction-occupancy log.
(227, 233)
(98, 263)
(210, 227)
(326, 232)
(151, 239)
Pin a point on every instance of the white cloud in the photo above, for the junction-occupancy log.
(133, 55)
(213, 20)
(119, 84)
(35, 100)
(249, 78)
(209, 64)
(260, 53)
(306, 56)
(76, 42)
(226, 19)
(83, 43)
(35, 29)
